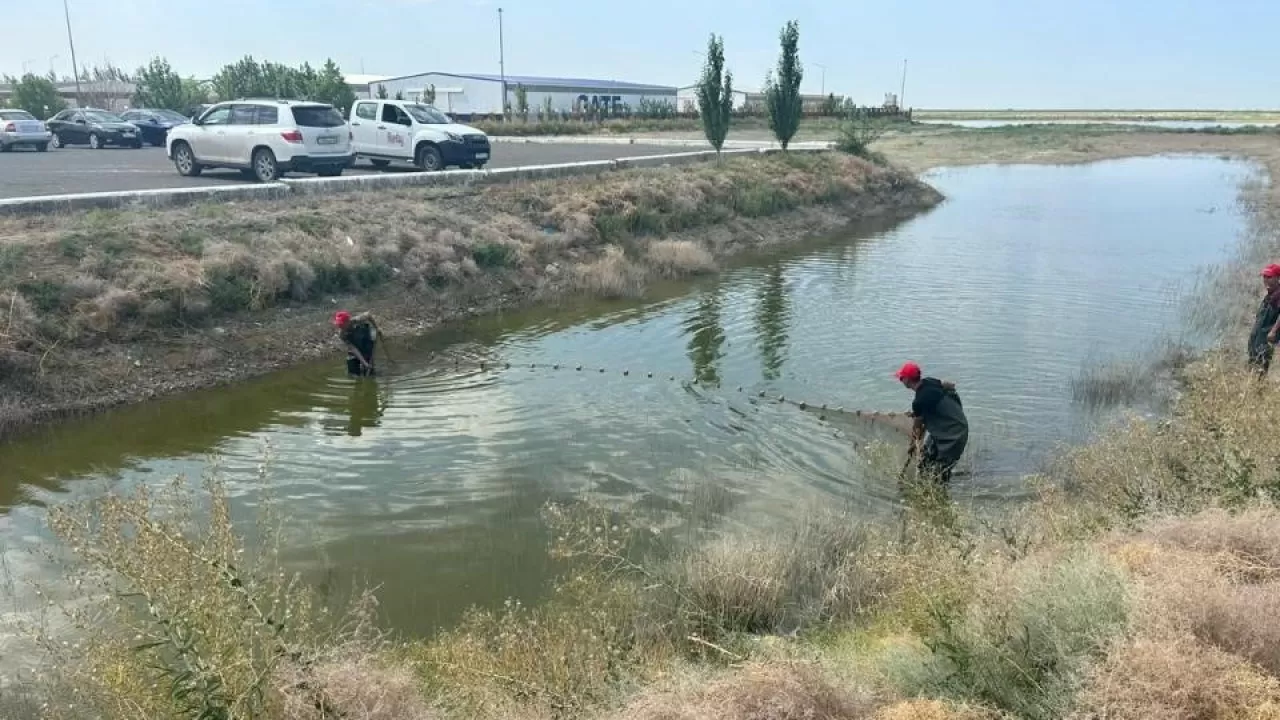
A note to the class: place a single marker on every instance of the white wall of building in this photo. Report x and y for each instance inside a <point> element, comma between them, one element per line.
<point>465,96</point>
<point>687,99</point>
<point>454,94</point>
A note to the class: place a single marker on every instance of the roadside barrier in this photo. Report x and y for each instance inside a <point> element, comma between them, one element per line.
<point>170,197</point>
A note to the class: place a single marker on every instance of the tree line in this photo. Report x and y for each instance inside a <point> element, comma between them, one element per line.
<point>159,86</point>
<point>783,103</point>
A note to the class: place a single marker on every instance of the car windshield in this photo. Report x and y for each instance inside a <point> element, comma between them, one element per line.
<point>170,115</point>
<point>100,116</point>
<point>427,115</point>
<point>16,115</point>
<point>317,116</point>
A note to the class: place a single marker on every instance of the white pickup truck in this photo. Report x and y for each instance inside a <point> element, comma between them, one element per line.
<point>386,131</point>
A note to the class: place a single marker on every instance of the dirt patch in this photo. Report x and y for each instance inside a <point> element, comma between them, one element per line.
<point>106,308</point>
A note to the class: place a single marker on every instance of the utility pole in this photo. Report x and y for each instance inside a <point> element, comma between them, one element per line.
<point>902,95</point>
<point>75,68</point>
<point>824,78</point>
<point>502,64</point>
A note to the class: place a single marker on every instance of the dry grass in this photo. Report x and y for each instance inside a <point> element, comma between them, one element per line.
<point>173,618</point>
<point>934,710</point>
<point>1176,679</point>
<point>678,258</point>
<point>755,692</point>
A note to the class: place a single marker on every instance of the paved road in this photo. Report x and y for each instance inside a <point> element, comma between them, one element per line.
<point>76,170</point>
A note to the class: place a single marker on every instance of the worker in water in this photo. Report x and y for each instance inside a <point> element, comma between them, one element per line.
<point>359,334</point>
<point>1266,327</point>
<point>938,411</point>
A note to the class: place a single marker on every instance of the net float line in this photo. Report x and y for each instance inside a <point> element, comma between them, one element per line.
<point>899,421</point>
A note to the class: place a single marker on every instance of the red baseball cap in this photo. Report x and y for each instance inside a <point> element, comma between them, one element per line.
<point>909,371</point>
<point>341,317</point>
<point>1270,271</point>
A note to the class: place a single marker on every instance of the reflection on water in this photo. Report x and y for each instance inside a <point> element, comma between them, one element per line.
<point>428,480</point>
<point>772,316</point>
<point>706,338</point>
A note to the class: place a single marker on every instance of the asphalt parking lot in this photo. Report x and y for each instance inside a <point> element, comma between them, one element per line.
<point>25,173</point>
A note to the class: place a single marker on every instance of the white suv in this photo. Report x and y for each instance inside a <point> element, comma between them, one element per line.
<point>263,139</point>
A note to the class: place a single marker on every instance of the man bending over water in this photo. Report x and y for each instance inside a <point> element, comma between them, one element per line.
<point>359,334</point>
<point>938,411</point>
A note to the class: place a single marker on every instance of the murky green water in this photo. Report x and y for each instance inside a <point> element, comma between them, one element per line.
<point>428,481</point>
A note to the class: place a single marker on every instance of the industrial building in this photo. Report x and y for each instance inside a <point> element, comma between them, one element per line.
<point>687,99</point>
<point>481,94</point>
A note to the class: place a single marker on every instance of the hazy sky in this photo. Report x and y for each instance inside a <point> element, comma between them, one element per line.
<point>962,54</point>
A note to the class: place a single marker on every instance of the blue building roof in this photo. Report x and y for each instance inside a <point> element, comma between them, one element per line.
<point>534,81</point>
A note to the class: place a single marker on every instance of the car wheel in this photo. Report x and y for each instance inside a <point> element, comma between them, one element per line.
<point>479,166</point>
<point>330,172</point>
<point>94,141</point>
<point>380,163</point>
<point>429,158</point>
<point>42,147</point>
<point>185,160</point>
<point>137,144</point>
<point>56,141</point>
<point>265,167</point>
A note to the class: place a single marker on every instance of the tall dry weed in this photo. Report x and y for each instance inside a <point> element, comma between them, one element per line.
<point>172,616</point>
<point>792,691</point>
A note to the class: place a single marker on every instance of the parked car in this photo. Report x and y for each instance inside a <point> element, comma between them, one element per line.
<point>19,127</point>
<point>154,125</point>
<point>264,139</point>
<point>95,128</point>
<point>395,130</point>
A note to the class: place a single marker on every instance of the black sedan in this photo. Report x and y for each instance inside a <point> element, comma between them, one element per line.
<point>154,125</point>
<point>95,128</point>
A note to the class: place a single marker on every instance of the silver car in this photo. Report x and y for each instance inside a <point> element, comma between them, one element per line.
<point>19,127</point>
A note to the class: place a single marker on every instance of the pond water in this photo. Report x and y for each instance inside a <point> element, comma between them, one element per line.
<point>1166,124</point>
<point>428,482</point>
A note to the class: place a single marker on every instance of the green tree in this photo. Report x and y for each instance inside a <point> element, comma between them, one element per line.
<point>715,94</point>
<point>782,89</point>
<point>382,92</point>
<point>399,94</point>
<point>249,78</point>
<point>158,86</point>
<point>522,101</point>
<point>429,95</point>
<point>330,86</point>
<point>37,95</point>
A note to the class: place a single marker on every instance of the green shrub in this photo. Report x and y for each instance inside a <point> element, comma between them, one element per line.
<point>1022,645</point>
<point>493,255</point>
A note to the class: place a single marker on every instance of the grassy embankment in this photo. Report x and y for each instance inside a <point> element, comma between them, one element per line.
<point>116,306</point>
<point>1142,583</point>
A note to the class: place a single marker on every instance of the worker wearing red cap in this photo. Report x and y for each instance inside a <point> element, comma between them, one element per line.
<point>938,411</point>
<point>1266,327</point>
<point>359,334</point>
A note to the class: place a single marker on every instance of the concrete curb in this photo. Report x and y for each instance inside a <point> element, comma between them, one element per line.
<point>355,183</point>
<point>124,199</point>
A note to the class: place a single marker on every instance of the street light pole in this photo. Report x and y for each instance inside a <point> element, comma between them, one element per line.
<point>502,64</point>
<point>824,78</point>
<point>75,68</point>
<point>902,95</point>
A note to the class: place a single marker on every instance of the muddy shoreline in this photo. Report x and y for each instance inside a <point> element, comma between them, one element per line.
<point>78,381</point>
